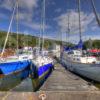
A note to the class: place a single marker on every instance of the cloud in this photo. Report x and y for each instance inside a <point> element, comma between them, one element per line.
<point>26,8</point>
<point>24,4</point>
<point>2,15</point>
<point>26,12</point>
<point>7,4</point>
<point>75,37</point>
<point>34,25</point>
<point>95,26</point>
<point>24,16</point>
<point>86,20</point>
<point>53,3</point>
<point>58,10</point>
<point>50,2</point>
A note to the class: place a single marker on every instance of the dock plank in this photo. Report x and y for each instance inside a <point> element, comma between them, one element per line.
<point>63,80</point>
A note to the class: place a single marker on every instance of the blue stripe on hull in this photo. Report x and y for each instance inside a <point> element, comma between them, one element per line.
<point>44,68</point>
<point>11,67</point>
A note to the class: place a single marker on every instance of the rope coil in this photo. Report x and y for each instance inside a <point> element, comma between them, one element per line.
<point>42,96</point>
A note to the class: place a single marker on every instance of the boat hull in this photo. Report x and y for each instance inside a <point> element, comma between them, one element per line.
<point>90,71</point>
<point>40,74</point>
<point>9,78</point>
<point>13,67</point>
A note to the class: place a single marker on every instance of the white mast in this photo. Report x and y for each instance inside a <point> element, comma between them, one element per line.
<point>68,28</point>
<point>17,18</point>
<point>80,32</point>
<point>12,17</point>
<point>43,24</point>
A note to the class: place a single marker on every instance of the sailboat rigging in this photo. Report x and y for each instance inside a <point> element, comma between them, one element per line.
<point>42,64</point>
<point>95,12</point>
<point>8,30</point>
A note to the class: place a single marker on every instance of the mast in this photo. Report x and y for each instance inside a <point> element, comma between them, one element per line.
<point>12,17</point>
<point>95,12</point>
<point>17,23</point>
<point>80,31</point>
<point>68,28</point>
<point>43,24</point>
<point>40,36</point>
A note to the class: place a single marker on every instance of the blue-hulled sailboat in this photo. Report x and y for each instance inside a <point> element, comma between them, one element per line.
<point>42,64</point>
<point>13,67</point>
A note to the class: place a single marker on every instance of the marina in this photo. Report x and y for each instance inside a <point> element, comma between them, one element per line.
<point>49,50</point>
<point>61,82</point>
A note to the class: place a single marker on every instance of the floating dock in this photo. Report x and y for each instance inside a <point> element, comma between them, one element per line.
<point>61,85</point>
<point>63,80</point>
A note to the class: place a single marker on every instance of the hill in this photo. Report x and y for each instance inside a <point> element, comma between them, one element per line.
<point>23,40</point>
<point>29,40</point>
<point>92,44</point>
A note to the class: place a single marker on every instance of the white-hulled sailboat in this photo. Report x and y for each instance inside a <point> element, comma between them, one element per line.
<point>76,61</point>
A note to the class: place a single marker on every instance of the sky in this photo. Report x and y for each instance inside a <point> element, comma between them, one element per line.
<point>56,18</point>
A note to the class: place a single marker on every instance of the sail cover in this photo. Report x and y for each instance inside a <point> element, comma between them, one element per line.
<point>79,45</point>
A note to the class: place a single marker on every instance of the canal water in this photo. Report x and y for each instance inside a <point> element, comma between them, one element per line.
<point>11,82</point>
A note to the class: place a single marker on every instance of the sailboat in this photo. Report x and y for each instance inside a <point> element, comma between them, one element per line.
<point>77,62</point>
<point>16,66</point>
<point>41,64</point>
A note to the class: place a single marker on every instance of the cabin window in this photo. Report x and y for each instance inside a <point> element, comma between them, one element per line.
<point>78,59</point>
<point>71,52</point>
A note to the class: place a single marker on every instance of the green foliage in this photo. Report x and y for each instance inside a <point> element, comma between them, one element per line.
<point>92,44</point>
<point>23,40</point>
<point>28,40</point>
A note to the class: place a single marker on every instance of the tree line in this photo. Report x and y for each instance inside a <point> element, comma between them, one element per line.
<point>29,40</point>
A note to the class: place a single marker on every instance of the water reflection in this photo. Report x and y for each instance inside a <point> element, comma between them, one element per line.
<point>10,81</point>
